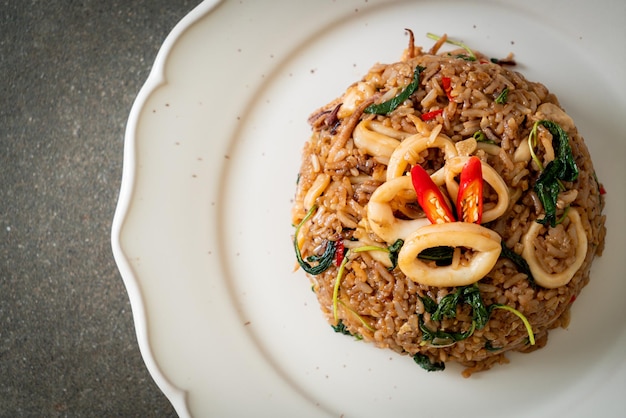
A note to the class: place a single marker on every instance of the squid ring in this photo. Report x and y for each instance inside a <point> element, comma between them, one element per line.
<point>380,215</point>
<point>408,151</point>
<point>491,176</point>
<point>553,280</point>
<point>484,242</point>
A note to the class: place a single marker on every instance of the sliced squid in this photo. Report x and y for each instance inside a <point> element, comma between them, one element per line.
<point>319,185</point>
<point>553,280</point>
<point>454,166</point>
<point>408,151</point>
<point>380,215</point>
<point>377,144</point>
<point>484,243</point>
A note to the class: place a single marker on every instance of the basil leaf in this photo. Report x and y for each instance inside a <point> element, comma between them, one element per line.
<point>562,168</point>
<point>424,362</point>
<point>564,151</point>
<point>341,328</point>
<point>447,305</point>
<point>324,261</point>
<point>441,255</point>
<point>391,104</point>
<point>430,305</point>
<point>394,250</point>
<point>439,335</point>
<point>547,188</point>
<point>447,308</point>
<point>480,314</point>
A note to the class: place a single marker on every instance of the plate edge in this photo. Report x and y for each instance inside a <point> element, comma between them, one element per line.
<point>156,78</point>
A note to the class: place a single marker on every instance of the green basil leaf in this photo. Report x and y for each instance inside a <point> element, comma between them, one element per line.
<point>441,255</point>
<point>480,314</point>
<point>323,261</point>
<point>562,168</point>
<point>424,362</point>
<point>447,305</point>
<point>390,105</point>
<point>394,250</point>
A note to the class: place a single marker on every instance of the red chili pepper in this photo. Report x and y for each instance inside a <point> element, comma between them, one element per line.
<point>429,197</point>
<point>339,252</point>
<point>602,190</point>
<point>446,82</point>
<point>431,115</point>
<point>469,202</point>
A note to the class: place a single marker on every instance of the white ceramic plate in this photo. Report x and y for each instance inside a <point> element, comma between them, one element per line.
<point>202,232</point>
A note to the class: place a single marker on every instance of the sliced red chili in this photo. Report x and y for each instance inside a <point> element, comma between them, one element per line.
<point>431,115</point>
<point>469,202</point>
<point>339,252</point>
<point>446,82</point>
<point>429,197</point>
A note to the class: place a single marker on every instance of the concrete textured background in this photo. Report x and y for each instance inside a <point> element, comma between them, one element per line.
<point>70,71</point>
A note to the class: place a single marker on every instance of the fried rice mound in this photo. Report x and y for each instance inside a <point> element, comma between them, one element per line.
<point>451,290</point>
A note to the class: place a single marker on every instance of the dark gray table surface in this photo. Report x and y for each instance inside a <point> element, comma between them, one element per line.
<point>70,71</point>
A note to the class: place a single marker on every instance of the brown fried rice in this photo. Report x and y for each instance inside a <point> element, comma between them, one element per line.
<point>459,102</point>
